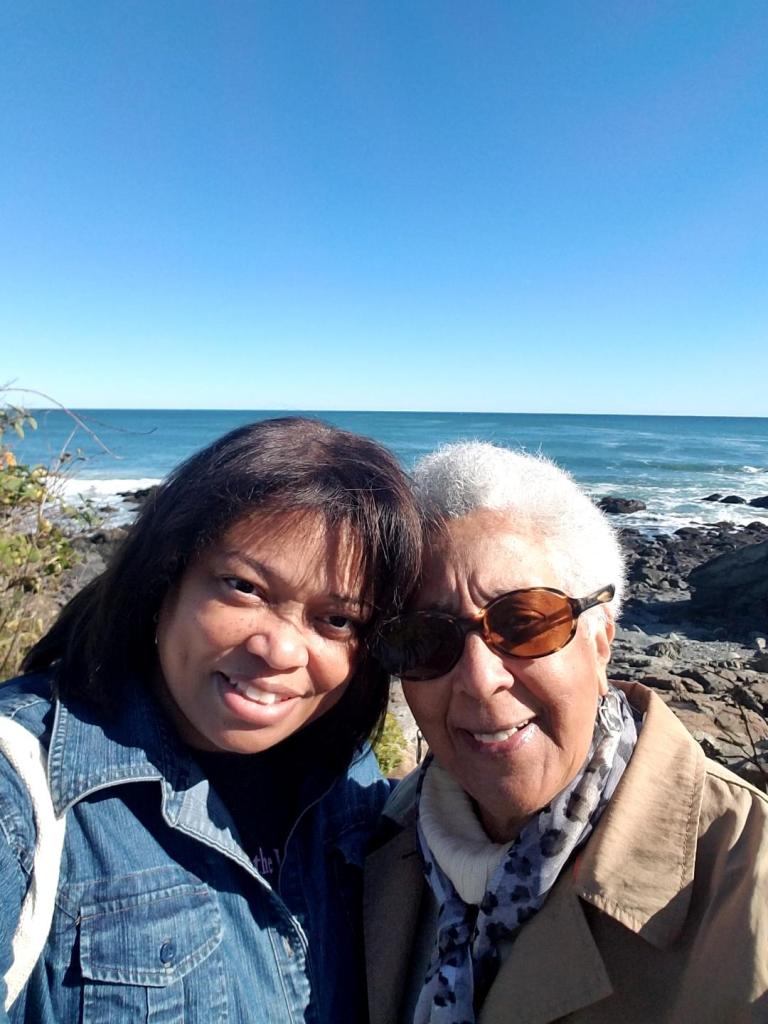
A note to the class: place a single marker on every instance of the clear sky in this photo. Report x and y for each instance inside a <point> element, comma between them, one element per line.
<point>491,205</point>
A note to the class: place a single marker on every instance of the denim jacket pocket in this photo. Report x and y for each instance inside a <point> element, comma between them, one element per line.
<point>147,957</point>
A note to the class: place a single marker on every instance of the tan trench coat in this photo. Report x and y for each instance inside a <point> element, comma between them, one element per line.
<point>663,917</point>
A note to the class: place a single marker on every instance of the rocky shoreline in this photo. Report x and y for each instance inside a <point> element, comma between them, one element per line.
<point>694,628</point>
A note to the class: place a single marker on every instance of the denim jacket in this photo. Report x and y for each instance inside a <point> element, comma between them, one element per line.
<point>160,915</point>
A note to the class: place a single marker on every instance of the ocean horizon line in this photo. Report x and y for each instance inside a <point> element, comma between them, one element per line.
<point>393,412</point>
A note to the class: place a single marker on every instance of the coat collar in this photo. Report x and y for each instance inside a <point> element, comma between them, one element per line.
<point>637,868</point>
<point>545,980</point>
<point>640,869</point>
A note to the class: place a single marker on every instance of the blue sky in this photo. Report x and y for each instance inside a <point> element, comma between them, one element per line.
<point>400,204</point>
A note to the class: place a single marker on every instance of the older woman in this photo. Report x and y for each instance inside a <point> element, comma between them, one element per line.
<point>205,705</point>
<point>566,850</point>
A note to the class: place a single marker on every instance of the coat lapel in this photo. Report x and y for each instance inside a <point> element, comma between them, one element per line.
<point>553,969</point>
<point>391,902</point>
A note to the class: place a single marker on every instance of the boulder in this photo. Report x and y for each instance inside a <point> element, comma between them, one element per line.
<point>664,649</point>
<point>760,502</point>
<point>712,682</point>
<point>733,499</point>
<point>759,662</point>
<point>713,497</point>
<point>620,506</point>
<point>734,585</point>
<point>139,496</point>
<point>110,537</point>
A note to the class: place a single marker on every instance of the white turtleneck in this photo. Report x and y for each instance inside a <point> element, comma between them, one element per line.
<point>455,836</point>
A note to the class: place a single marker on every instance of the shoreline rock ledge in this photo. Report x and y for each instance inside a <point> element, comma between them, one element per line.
<point>695,629</point>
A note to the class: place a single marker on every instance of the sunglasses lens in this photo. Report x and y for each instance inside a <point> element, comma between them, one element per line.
<point>530,623</point>
<point>419,646</point>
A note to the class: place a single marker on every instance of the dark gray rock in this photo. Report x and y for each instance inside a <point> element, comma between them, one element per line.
<point>661,680</point>
<point>139,496</point>
<point>110,537</point>
<point>747,698</point>
<point>760,502</point>
<point>751,677</point>
<point>734,585</point>
<point>759,663</point>
<point>664,649</point>
<point>620,506</point>
<point>713,497</point>
<point>712,682</point>
<point>733,499</point>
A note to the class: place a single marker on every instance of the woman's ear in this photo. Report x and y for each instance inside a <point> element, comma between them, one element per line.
<point>605,630</point>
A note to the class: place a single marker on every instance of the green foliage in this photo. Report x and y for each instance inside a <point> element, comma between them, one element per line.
<point>34,551</point>
<point>390,746</point>
<point>13,417</point>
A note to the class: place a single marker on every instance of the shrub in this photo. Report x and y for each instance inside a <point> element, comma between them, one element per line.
<point>390,746</point>
<point>34,549</point>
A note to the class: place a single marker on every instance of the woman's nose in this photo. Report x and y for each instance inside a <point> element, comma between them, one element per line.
<point>481,672</point>
<point>280,643</point>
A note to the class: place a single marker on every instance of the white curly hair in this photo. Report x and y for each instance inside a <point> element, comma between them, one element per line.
<point>538,497</point>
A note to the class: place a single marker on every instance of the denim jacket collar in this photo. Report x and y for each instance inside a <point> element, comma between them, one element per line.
<point>138,745</point>
<point>86,755</point>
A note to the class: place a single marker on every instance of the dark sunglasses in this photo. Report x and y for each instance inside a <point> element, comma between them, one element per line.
<point>530,623</point>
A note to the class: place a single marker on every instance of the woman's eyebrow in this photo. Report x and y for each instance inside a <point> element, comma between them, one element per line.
<point>252,563</point>
<point>273,576</point>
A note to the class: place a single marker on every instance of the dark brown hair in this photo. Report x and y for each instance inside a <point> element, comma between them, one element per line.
<point>103,641</point>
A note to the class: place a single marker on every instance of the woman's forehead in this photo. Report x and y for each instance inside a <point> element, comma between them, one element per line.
<point>295,524</point>
<point>302,534</point>
<point>491,547</point>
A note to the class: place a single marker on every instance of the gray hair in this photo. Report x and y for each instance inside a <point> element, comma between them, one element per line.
<point>539,499</point>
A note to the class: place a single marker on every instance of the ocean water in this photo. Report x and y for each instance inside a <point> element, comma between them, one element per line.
<point>668,462</point>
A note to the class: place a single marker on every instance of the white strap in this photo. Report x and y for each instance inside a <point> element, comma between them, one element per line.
<point>29,759</point>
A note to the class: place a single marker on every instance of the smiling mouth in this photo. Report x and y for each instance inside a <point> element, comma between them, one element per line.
<point>500,735</point>
<point>255,694</point>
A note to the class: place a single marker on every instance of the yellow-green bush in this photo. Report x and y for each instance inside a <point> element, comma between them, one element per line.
<point>34,552</point>
<point>390,746</point>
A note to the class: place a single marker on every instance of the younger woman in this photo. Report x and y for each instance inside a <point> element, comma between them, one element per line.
<point>205,705</point>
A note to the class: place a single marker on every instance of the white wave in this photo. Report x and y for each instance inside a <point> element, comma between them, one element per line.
<point>753,469</point>
<point>81,487</point>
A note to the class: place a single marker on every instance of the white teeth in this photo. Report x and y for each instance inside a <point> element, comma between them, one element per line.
<point>256,695</point>
<point>500,736</point>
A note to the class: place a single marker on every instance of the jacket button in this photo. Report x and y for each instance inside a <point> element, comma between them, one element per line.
<point>167,952</point>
